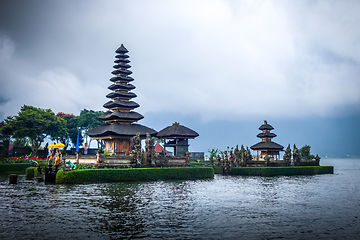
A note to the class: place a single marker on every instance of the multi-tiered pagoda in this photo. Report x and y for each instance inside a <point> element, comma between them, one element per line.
<point>266,146</point>
<point>119,125</point>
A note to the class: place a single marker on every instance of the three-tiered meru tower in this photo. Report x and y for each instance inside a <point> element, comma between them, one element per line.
<point>119,125</point>
<point>266,146</point>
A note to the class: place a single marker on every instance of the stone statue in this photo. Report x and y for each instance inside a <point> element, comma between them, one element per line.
<point>135,152</point>
<point>296,156</point>
<point>50,157</point>
<point>242,156</point>
<point>317,159</point>
<point>237,156</point>
<point>287,156</point>
<point>149,150</point>
<point>188,154</point>
<point>57,157</point>
<point>248,155</point>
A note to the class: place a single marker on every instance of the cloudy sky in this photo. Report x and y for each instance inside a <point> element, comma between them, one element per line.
<point>219,67</point>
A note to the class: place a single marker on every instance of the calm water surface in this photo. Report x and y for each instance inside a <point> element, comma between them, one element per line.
<point>226,207</point>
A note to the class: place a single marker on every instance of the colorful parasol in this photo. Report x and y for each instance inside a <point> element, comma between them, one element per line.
<point>51,146</point>
<point>59,145</point>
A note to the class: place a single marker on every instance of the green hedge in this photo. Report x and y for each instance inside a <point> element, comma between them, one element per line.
<point>133,174</point>
<point>287,171</point>
<point>14,167</point>
<point>30,172</point>
<point>219,170</point>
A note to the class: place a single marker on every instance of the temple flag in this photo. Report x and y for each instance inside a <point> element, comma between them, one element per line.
<point>77,142</point>
<point>86,148</point>
<point>11,147</point>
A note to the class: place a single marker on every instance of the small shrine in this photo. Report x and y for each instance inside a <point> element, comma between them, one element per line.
<point>120,120</point>
<point>177,136</point>
<point>266,146</point>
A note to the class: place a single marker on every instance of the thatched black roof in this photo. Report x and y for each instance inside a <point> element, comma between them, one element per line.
<point>120,65</point>
<point>177,131</point>
<point>121,71</point>
<point>267,145</point>
<point>120,94</point>
<point>124,116</point>
<point>121,130</point>
<point>121,49</point>
<point>121,86</point>
<point>266,135</point>
<point>121,104</point>
<point>120,56</point>
<point>122,60</point>
<point>266,126</point>
<point>122,78</point>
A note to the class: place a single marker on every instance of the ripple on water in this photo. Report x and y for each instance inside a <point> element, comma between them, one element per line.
<point>226,207</point>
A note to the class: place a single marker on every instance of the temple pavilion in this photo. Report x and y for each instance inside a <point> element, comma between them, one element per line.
<point>177,136</point>
<point>120,119</point>
<point>266,146</point>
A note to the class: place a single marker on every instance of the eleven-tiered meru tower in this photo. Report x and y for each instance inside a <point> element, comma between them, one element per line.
<point>119,125</point>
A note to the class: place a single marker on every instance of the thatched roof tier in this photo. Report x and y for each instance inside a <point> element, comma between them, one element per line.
<point>266,135</point>
<point>121,49</point>
<point>121,78</point>
<point>267,146</point>
<point>177,131</point>
<point>122,60</point>
<point>121,86</point>
<point>122,56</point>
<point>119,94</point>
<point>266,126</point>
<point>123,116</point>
<point>120,65</point>
<point>120,130</point>
<point>121,104</point>
<point>121,71</point>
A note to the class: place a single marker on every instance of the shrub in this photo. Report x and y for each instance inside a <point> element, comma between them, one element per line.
<point>60,177</point>
<point>14,167</point>
<point>133,174</point>
<point>275,171</point>
<point>30,172</point>
<point>219,170</point>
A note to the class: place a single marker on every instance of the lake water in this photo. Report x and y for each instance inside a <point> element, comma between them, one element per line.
<point>226,207</point>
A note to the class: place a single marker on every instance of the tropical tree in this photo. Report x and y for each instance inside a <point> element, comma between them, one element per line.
<point>34,124</point>
<point>89,119</point>
<point>305,153</point>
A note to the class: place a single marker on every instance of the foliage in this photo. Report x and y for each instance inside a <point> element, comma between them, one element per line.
<point>305,153</point>
<point>9,167</point>
<point>61,177</point>
<point>218,170</point>
<point>69,135</point>
<point>133,174</point>
<point>30,172</point>
<point>282,171</point>
<point>213,152</point>
<point>87,166</point>
<point>89,119</point>
<point>34,124</point>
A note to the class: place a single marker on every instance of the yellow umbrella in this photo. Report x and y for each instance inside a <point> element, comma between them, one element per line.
<point>59,145</point>
<point>51,146</point>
